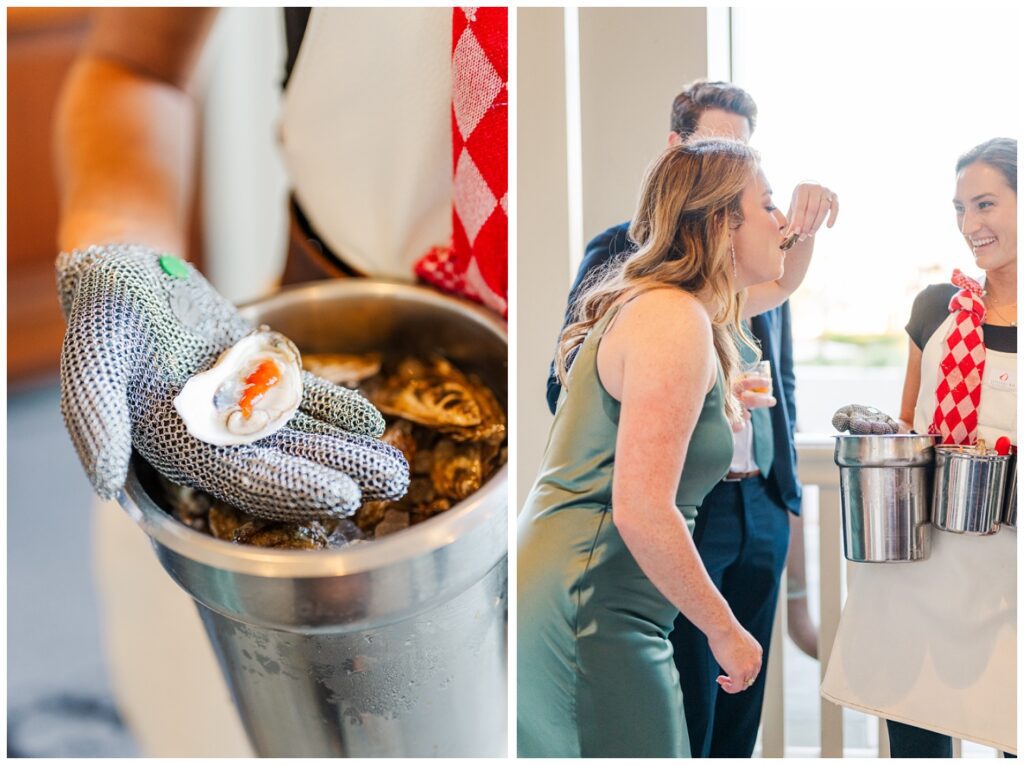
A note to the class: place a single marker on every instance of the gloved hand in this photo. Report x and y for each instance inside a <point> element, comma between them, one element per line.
<point>139,325</point>
<point>863,420</point>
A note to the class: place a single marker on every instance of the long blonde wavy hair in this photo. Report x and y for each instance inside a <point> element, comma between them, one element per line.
<point>689,200</point>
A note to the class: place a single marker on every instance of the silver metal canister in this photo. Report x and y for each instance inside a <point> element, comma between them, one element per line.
<point>885,487</point>
<point>395,647</point>
<point>1010,513</point>
<point>970,490</point>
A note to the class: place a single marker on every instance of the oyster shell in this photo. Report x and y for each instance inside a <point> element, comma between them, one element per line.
<point>371,513</point>
<point>394,520</point>
<point>346,369</point>
<point>435,394</point>
<point>491,429</point>
<point>285,536</point>
<point>458,469</point>
<point>225,520</point>
<point>432,393</point>
<point>188,505</point>
<point>251,391</point>
<point>400,435</point>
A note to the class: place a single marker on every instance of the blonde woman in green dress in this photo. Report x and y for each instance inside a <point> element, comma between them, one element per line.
<point>641,434</point>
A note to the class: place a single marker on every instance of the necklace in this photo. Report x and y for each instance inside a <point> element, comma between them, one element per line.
<point>998,309</point>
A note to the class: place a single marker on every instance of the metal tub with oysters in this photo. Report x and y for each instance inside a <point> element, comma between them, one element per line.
<point>383,634</point>
<point>896,487</point>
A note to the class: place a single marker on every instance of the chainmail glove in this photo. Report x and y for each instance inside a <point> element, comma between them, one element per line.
<point>141,323</point>
<point>863,420</point>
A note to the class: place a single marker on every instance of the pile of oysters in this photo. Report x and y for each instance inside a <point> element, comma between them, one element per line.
<point>448,424</point>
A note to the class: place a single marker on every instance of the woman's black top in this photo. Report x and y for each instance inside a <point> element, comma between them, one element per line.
<point>931,308</point>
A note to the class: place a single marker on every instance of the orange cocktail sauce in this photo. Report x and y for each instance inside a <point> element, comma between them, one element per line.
<point>266,375</point>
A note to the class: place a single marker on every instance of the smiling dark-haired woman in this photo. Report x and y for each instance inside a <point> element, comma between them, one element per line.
<point>931,646</point>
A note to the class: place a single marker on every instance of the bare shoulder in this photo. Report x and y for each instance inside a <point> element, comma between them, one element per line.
<point>662,342</point>
<point>661,351</point>
<point>666,317</point>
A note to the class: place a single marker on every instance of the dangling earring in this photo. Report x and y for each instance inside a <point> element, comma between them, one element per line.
<point>732,249</point>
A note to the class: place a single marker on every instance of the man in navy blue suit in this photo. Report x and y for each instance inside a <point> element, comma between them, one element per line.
<point>742,529</point>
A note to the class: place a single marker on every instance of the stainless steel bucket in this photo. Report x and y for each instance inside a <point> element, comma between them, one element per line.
<point>1010,513</point>
<point>970,490</point>
<point>391,648</point>
<point>885,486</point>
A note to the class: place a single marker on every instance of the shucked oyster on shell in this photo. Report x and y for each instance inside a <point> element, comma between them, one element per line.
<point>251,391</point>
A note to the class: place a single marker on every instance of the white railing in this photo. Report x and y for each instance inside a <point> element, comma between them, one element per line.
<point>816,468</point>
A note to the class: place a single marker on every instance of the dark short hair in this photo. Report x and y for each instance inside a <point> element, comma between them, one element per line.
<point>702,95</point>
<point>1000,153</point>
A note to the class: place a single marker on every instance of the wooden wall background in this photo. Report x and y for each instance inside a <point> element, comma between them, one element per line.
<point>41,45</point>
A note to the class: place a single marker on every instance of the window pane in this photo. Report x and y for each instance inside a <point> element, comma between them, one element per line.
<point>876,104</point>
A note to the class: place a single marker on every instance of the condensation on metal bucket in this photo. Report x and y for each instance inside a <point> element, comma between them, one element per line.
<point>885,487</point>
<point>970,490</point>
<point>395,647</point>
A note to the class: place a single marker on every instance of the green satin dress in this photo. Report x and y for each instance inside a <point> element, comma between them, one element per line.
<point>595,670</point>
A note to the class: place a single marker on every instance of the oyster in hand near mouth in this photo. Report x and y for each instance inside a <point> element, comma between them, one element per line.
<point>252,390</point>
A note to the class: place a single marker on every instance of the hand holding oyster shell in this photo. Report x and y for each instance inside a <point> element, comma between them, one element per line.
<point>140,325</point>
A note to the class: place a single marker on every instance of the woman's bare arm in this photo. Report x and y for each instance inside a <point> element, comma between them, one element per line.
<point>660,364</point>
<point>124,137</point>
<point>666,364</point>
<point>911,386</point>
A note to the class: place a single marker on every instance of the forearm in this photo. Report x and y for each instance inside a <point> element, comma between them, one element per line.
<point>911,385</point>
<point>667,369</point>
<point>663,548</point>
<point>125,146</point>
<point>798,260</point>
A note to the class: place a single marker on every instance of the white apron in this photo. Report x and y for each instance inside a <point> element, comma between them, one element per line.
<point>366,135</point>
<point>934,643</point>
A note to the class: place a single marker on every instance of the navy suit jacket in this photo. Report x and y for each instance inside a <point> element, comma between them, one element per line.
<point>772,329</point>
